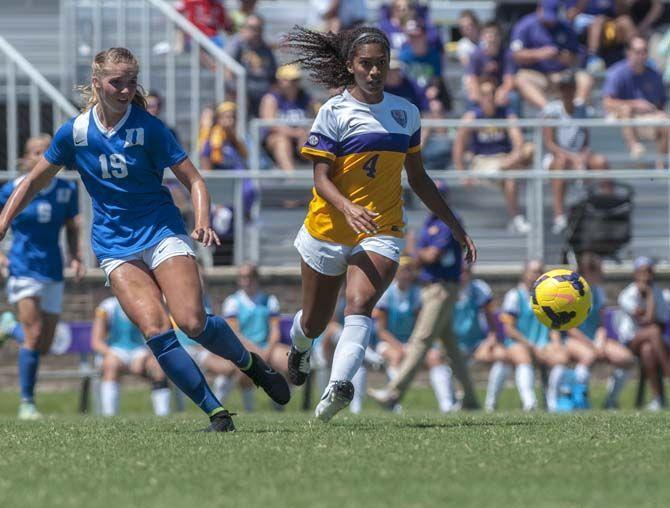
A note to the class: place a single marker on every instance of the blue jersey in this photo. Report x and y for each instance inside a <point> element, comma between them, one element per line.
<point>253,313</point>
<point>121,331</point>
<point>469,322</point>
<point>592,321</point>
<point>122,170</point>
<point>517,304</point>
<point>35,250</point>
<point>401,309</point>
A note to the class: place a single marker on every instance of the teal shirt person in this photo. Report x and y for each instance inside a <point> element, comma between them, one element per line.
<point>401,308</point>
<point>517,304</point>
<point>253,314</point>
<point>121,332</point>
<point>469,322</point>
<point>593,320</point>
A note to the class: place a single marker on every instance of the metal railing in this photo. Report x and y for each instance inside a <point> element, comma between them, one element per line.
<point>149,28</point>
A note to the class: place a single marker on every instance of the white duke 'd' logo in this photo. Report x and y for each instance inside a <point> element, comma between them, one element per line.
<point>134,137</point>
<point>400,116</point>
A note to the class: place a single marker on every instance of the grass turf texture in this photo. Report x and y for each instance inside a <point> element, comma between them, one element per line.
<point>288,459</point>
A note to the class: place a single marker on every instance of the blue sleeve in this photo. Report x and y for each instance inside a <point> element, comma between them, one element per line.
<point>73,205</point>
<point>164,149</point>
<point>610,87</point>
<point>5,192</point>
<point>61,149</point>
<point>519,38</point>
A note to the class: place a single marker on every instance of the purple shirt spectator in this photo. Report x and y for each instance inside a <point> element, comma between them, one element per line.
<point>436,233</point>
<point>531,33</point>
<point>483,66</point>
<point>622,83</point>
<point>490,140</point>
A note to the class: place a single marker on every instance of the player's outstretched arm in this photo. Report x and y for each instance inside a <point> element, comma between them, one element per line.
<point>191,179</point>
<point>425,188</point>
<point>36,180</point>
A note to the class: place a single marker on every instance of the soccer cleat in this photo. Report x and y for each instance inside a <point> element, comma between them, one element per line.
<point>271,381</point>
<point>7,325</point>
<point>298,366</point>
<point>337,397</point>
<point>221,422</point>
<point>28,411</point>
<point>384,398</point>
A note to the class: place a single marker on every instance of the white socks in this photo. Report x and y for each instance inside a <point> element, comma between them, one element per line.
<point>359,381</point>
<point>301,342</point>
<point>497,376</point>
<point>249,399</point>
<point>615,384</point>
<point>555,377</point>
<point>223,385</point>
<point>350,349</point>
<point>525,383</point>
<point>109,398</point>
<point>441,381</point>
<point>582,374</point>
<point>160,399</point>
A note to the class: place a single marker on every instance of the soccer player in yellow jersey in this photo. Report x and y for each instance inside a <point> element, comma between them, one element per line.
<point>359,143</point>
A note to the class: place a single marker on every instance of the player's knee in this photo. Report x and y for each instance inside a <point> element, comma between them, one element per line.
<point>192,325</point>
<point>358,305</point>
<point>110,367</point>
<point>647,352</point>
<point>599,162</point>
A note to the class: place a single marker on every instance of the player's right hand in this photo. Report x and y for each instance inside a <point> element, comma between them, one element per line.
<point>360,219</point>
<point>206,236</point>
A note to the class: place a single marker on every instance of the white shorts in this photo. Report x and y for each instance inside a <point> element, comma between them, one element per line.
<point>130,356</point>
<point>332,259</point>
<point>178,245</point>
<point>50,294</point>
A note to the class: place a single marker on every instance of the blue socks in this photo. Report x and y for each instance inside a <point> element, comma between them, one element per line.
<point>182,370</point>
<point>29,361</point>
<point>220,339</point>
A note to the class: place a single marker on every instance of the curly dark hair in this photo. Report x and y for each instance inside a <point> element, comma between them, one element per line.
<point>325,55</point>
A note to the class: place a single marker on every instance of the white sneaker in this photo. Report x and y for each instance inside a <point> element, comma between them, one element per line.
<point>655,405</point>
<point>7,324</point>
<point>560,223</point>
<point>336,397</point>
<point>520,225</point>
<point>28,411</point>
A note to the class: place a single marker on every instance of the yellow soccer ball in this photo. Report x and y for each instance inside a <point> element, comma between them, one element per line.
<point>561,299</point>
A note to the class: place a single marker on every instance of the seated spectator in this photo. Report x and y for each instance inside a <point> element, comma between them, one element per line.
<point>254,316</point>
<point>289,102</point>
<point>469,27</point>
<point>421,54</point>
<point>524,337</point>
<point>633,89</point>
<point>250,49</point>
<point>589,343</point>
<point>207,15</point>
<point>392,21</point>
<point>494,149</point>
<point>398,83</point>
<point>543,46</point>
<point>598,18</point>
<point>436,141</point>
<point>568,146</point>
<point>640,326</point>
<point>239,16</point>
<point>221,148</point>
<point>395,316</point>
<point>122,349</point>
<point>491,62</point>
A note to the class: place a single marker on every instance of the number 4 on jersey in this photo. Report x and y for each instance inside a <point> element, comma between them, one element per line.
<point>370,166</point>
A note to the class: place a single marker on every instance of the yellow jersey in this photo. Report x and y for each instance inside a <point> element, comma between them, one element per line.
<point>367,144</point>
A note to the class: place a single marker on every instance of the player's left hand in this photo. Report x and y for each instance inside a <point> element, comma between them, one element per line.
<point>78,268</point>
<point>206,236</point>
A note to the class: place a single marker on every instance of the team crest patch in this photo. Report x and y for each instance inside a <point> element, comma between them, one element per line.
<point>313,140</point>
<point>400,116</point>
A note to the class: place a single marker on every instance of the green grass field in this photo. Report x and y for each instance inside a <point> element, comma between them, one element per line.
<point>418,459</point>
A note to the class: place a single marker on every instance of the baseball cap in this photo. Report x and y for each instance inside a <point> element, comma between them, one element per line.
<point>550,10</point>
<point>226,106</point>
<point>288,72</point>
<point>643,262</point>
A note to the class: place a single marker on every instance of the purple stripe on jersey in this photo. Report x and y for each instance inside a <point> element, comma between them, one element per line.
<point>375,142</point>
<point>415,139</point>
<point>318,141</point>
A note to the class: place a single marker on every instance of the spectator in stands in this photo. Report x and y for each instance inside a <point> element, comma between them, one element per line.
<point>640,326</point>
<point>122,350</point>
<point>239,16</point>
<point>222,149</point>
<point>209,16</point>
<point>644,13</point>
<point>392,20</point>
<point>469,27</point>
<point>490,61</point>
<point>254,315</point>
<point>398,83</point>
<point>288,102</point>
<point>155,107</point>
<point>524,336</point>
<point>633,89</point>
<point>421,54</point>
<point>590,342</point>
<point>395,316</point>
<point>543,46</point>
<point>436,141</point>
<point>598,18</point>
<point>250,49</point>
<point>494,149</point>
<point>568,147</point>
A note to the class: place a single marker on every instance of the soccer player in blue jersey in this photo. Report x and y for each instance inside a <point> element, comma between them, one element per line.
<point>138,236</point>
<point>35,265</point>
